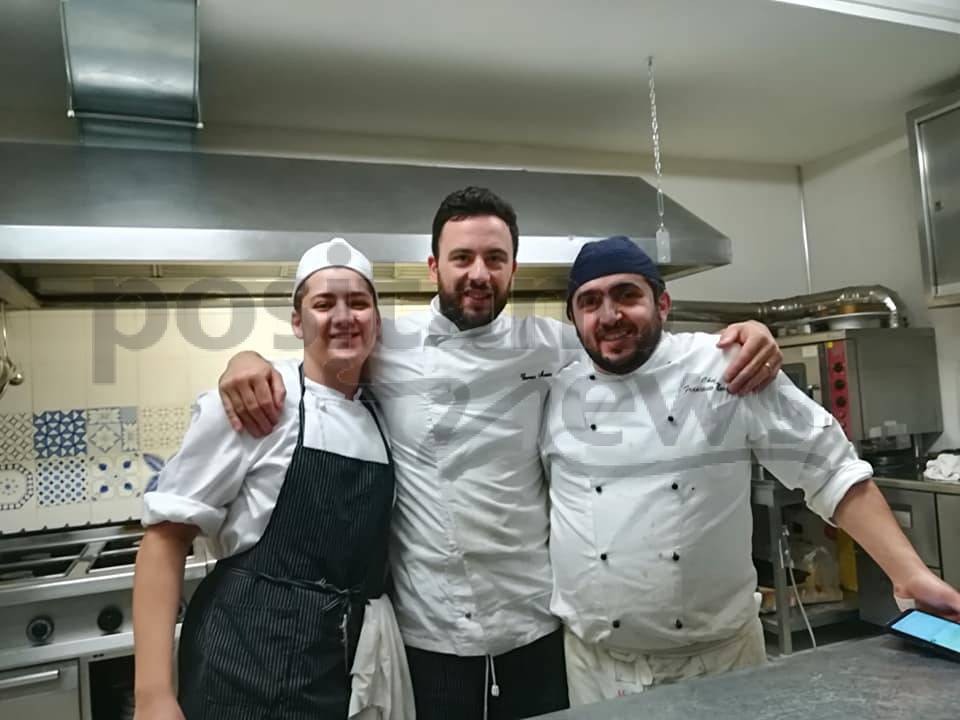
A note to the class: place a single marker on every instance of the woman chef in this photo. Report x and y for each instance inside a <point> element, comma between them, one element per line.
<point>299,520</point>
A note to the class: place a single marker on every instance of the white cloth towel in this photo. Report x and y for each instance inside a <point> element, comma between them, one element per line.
<point>944,468</point>
<point>381,687</point>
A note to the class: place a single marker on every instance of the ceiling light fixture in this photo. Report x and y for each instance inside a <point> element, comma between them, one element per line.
<point>943,15</point>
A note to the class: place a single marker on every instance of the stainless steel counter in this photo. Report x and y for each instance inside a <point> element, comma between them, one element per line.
<point>918,484</point>
<point>881,678</point>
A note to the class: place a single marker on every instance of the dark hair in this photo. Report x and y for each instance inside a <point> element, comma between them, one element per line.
<point>471,202</point>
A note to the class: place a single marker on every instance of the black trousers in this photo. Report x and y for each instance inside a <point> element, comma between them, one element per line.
<point>532,681</point>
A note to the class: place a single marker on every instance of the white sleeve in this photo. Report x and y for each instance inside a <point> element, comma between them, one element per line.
<point>803,446</point>
<point>197,484</point>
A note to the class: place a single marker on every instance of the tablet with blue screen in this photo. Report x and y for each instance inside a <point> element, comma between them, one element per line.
<point>931,631</point>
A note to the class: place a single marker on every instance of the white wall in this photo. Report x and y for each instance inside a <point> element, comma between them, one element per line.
<point>862,227</point>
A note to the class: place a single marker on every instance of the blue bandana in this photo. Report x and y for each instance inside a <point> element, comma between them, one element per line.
<point>612,256</point>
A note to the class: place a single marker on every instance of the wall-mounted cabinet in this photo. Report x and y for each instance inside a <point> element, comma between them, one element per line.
<point>934,133</point>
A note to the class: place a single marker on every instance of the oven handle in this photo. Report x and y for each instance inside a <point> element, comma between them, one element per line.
<point>36,678</point>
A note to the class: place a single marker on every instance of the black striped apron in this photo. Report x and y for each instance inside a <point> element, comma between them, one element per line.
<point>271,632</point>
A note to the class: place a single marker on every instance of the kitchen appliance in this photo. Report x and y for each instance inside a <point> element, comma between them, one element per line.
<point>881,384</point>
<point>66,635</point>
<point>164,225</point>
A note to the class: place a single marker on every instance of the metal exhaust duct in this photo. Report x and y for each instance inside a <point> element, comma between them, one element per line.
<point>132,70</point>
<point>799,308</point>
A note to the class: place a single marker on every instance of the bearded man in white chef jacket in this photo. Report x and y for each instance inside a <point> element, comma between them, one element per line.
<point>462,386</point>
<point>648,457</point>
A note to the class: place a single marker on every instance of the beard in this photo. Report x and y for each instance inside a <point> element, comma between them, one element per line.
<point>647,342</point>
<point>452,305</point>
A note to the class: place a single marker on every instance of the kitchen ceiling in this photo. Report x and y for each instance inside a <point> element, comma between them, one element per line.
<point>739,79</point>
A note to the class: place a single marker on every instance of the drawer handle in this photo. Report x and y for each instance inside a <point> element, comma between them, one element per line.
<point>903,515</point>
<point>36,678</point>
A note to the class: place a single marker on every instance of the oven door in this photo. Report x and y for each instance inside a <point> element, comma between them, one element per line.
<point>41,691</point>
<point>802,365</point>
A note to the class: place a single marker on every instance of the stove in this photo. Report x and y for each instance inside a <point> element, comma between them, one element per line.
<point>69,594</point>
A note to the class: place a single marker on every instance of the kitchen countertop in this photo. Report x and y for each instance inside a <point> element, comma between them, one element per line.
<point>918,484</point>
<point>882,678</point>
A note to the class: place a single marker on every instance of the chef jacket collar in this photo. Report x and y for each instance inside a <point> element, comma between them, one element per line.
<point>441,326</point>
<point>325,392</point>
<point>661,356</point>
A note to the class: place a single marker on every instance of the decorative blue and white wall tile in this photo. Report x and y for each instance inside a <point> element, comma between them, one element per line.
<point>17,486</point>
<point>16,437</point>
<point>163,427</point>
<point>114,488</point>
<point>152,465</point>
<point>111,430</point>
<point>18,496</point>
<point>60,433</point>
<point>114,477</point>
<point>62,480</point>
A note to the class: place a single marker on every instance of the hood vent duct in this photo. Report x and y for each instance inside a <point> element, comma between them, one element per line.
<point>70,215</point>
<point>132,70</point>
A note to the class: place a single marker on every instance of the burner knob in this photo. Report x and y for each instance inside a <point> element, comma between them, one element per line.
<point>40,630</point>
<point>110,619</point>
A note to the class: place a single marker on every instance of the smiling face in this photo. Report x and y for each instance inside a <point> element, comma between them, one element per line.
<point>619,320</point>
<point>337,319</point>
<point>473,269</point>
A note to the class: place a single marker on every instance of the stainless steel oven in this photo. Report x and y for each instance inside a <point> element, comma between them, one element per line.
<point>66,633</point>
<point>881,384</point>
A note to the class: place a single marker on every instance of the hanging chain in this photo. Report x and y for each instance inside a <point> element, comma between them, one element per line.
<point>655,130</point>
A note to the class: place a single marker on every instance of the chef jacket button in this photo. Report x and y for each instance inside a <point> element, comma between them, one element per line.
<point>676,558</point>
<point>593,427</point>
<point>674,487</point>
<point>678,624</point>
<point>599,489</point>
<point>603,556</point>
<point>468,615</point>
<point>593,377</point>
<point>669,418</point>
<point>616,624</point>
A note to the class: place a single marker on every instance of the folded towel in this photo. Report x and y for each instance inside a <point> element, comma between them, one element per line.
<point>944,468</point>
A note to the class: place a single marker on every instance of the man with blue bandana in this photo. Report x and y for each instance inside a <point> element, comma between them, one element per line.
<point>648,457</point>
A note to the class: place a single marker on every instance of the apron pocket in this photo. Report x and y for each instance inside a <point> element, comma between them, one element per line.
<point>248,653</point>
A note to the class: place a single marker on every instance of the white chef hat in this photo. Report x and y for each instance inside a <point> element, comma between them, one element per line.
<point>336,253</point>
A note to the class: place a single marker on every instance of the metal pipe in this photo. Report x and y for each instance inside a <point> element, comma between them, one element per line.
<point>857,298</point>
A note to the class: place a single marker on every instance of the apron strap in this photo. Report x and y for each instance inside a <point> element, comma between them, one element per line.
<point>300,409</point>
<point>386,445</point>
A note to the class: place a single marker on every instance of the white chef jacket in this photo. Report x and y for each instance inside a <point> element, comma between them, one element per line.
<point>470,526</point>
<point>227,483</point>
<point>649,478</point>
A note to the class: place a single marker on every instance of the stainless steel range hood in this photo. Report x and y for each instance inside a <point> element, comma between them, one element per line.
<point>76,221</point>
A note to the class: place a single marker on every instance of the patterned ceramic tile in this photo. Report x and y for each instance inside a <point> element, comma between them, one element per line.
<point>17,486</point>
<point>114,477</point>
<point>111,430</point>
<point>16,437</point>
<point>103,416</point>
<point>60,433</point>
<point>63,480</point>
<point>154,464</point>
<point>163,427</point>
